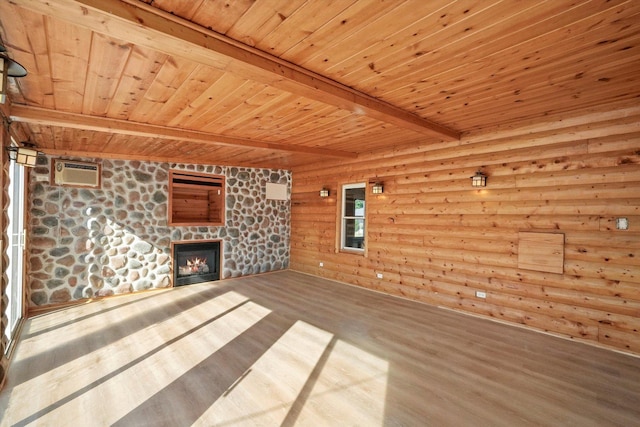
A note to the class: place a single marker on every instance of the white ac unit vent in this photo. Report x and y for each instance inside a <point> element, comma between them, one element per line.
<point>72,173</point>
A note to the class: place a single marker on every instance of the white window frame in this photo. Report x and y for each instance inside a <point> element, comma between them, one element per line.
<point>344,218</point>
<point>14,291</point>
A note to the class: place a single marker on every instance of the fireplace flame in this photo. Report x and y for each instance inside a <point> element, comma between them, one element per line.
<point>196,262</point>
<point>194,266</point>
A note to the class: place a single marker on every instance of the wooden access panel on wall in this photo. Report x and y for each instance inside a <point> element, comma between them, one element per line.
<point>541,252</point>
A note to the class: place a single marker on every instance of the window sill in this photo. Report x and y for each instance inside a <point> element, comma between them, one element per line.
<point>352,251</point>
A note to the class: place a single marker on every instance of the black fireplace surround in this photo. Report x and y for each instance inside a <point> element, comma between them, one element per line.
<point>196,262</point>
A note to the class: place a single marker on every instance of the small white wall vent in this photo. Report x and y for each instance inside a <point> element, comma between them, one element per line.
<point>276,191</point>
<point>77,174</point>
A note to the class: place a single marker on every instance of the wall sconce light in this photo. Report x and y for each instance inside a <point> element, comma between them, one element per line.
<point>377,188</point>
<point>324,192</point>
<point>8,68</point>
<point>479,180</point>
<point>25,156</point>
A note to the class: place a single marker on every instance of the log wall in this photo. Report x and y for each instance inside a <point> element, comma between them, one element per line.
<point>436,239</point>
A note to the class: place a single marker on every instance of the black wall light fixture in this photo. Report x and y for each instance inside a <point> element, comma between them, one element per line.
<point>8,68</point>
<point>479,180</point>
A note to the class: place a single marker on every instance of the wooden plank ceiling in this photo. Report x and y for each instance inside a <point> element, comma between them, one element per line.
<point>279,83</point>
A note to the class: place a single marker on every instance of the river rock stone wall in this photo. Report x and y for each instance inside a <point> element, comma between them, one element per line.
<point>114,240</point>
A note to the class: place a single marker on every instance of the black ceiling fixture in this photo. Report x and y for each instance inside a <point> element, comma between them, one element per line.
<point>8,68</point>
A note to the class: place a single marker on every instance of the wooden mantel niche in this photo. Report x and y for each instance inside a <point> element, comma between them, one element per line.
<point>196,199</point>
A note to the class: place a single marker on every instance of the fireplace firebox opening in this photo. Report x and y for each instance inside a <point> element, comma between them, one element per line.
<point>196,262</point>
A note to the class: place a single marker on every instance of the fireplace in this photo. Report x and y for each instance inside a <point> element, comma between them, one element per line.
<point>195,262</point>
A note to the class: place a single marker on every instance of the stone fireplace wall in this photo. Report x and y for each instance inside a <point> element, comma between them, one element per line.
<point>114,240</point>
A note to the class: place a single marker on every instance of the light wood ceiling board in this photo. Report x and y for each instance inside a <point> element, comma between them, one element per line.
<point>604,85</point>
<point>263,17</point>
<point>564,90</point>
<point>185,8</point>
<point>196,84</point>
<point>137,77</point>
<point>456,22</point>
<point>251,111</point>
<point>316,118</point>
<point>169,34</point>
<point>30,49</point>
<point>557,122</point>
<point>611,66</point>
<point>568,53</point>
<point>490,28</point>
<point>174,72</point>
<point>288,117</point>
<point>537,107</point>
<point>125,127</point>
<point>270,159</point>
<point>84,140</point>
<point>42,138</point>
<point>77,139</point>
<point>333,124</point>
<point>300,24</point>
<point>291,124</point>
<point>246,106</point>
<point>132,147</point>
<point>207,118</point>
<point>106,62</point>
<point>69,47</point>
<point>266,105</point>
<point>219,15</point>
<point>178,149</point>
<point>199,109</point>
<point>478,74</point>
<point>548,44</point>
<point>344,51</point>
<point>344,131</point>
<point>348,22</point>
<point>373,140</point>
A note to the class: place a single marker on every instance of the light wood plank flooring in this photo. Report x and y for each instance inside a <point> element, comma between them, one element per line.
<point>288,349</point>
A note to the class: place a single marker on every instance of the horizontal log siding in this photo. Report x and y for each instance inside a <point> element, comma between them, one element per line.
<point>437,240</point>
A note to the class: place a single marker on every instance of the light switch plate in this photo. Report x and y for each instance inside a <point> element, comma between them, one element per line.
<point>622,223</point>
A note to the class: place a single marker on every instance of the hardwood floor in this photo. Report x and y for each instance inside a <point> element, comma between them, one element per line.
<point>288,349</point>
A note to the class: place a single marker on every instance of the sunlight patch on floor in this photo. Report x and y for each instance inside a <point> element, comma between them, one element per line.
<point>264,394</point>
<point>128,372</point>
<point>351,389</point>
<point>308,378</point>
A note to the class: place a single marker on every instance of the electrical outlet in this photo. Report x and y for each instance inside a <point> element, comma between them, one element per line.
<point>379,275</point>
<point>322,264</point>
<point>622,223</point>
<point>481,294</point>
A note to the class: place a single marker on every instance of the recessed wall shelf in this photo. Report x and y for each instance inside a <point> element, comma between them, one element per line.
<point>196,199</point>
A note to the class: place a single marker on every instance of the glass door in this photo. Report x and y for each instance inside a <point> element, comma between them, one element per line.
<point>16,233</point>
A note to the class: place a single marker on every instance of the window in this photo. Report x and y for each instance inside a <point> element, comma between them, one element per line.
<point>353,217</point>
<point>196,199</point>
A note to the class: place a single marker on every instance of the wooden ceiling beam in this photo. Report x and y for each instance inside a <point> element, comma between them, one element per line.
<point>46,117</point>
<point>137,22</point>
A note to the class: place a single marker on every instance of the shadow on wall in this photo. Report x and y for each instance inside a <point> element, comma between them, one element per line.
<point>97,242</point>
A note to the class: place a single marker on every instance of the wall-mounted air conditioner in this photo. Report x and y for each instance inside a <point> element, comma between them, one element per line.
<point>72,173</point>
